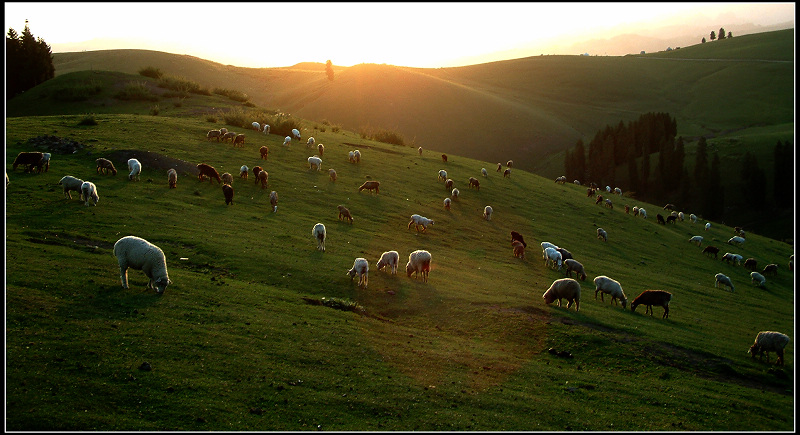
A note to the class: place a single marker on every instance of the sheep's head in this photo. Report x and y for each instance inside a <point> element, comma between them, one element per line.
<point>548,297</point>
<point>754,350</point>
<point>409,269</point>
<point>624,303</point>
<point>633,306</point>
<point>583,278</point>
<point>161,285</point>
<point>352,273</point>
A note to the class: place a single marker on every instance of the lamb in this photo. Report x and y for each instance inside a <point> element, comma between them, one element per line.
<point>564,288</point>
<point>172,178</point>
<point>296,134</point>
<point>772,269</point>
<point>357,156</point>
<point>264,150</point>
<point>724,280</point>
<point>370,185</point>
<point>758,279</point>
<point>321,149</point>
<point>693,218</point>
<point>314,162</point>
<point>227,191</point>
<point>565,255</point>
<point>484,173</point>
<point>390,259</point>
<point>474,182</point>
<point>711,250</point>
<point>708,225</point>
<point>273,200</point>
<point>650,298</point>
<point>229,135</point>
<point>256,170</point>
<point>574,266</point>
<point>332,174</point>
<point>736,239</point>
<point>769,341</point>
<point>344,213</point>
<point>227,178</point>
<point>605,284</point>
<point>137,253</point>
<point>442,175</point>
<point>551,256</point>
<point>243,172</point>
<point>601,234</point>
<point>135,169</point>
<point>448,184</point>
<point>104,166</point>
<point>263,178</point>
<point>208,171</point>
<point>239,140</point>
<point>256,126</point>
<point>360,268</point>
<point>447,203</point>
<point>487,212</point>
<point>311,142</point>
<point>454,193</point>
<point>287,140</point>
<point>213,134</point>
<point>751,264</point>
<point>418,221</point>
<point>419,150</point>
<point>266,129</point>
<point>696,239</point>
<point>351,157</point>
<point>444,158</point>
<point>319,235</point>
<point>507,173</point>
<point>29,160</point>
<point>518,249</point>
<point>89,191</point>
<point>71,183</point>
<point>419,262</point>
<point>515,236</point>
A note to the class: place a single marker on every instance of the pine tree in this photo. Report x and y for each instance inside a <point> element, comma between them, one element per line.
<point>29,62</point>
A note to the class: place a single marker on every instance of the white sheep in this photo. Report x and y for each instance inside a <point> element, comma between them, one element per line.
<point>601,233</point>
<point>89,191</point>
<point>455,192</point>
<point>256,126</point>
<point>71,183</point>
<point>287,140</point>
<point>564,288</point>
<point>419,262</point>
<point>45,162</point>
<point>332,174</point>
<point>708,225</point>
<point>681,216</point>
<point>696,239</point>
<point>296,134</point>
<point>608,189</point>
<point>360,268</point>
<point>419,150</point>
<point>731,257</point>
<point>418,221</point>
<point>137,253</point>
<point>310,142</point>
<point>390,259</point>
<point>487,212</point>
<point>172,178</point>
<point>693,218</point>
<point>266,129</point>
<point>351,157</point>
<point>319,235</point>
<point>357,156</point>
<point>314,162</point>
<point>758,279</point>
<point>243,171</point>
<point>736,239</point>
<point>618,191</point>
<point>605,284</point>
<point>135,169</point>
<point>642,213</point>
<point>273,200</point>
<point>442,175</point>
<point>546,245</point>
<point>447,203</point>
<point>724,280</point>
<point>769,341</point>
<point>484,173</point>
<point>552,257</point>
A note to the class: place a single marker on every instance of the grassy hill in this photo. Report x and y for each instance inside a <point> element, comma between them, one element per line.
<point>243,339</point>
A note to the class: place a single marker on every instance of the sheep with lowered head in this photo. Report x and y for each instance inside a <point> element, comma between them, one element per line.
<point>137,253</point>
<point>454,193</point>
<point>360,268</point>
<point>736,239</point>
<point>344,213</point>
<point>420,221</point>
<point>708,225</point>
<point>287,140</point>
<point>758,279</point>
<point>227,192</point>
<point>105,166</point>
<point>564,288</point>
<point>551,256</point>
<point>332,174</point>
<point>296,134</point>
<point>419,263</point>
<point>264,151</point>
<point>89,191</point>
<point>319,235</point>
<point>605,284</point>
<point>601,234</point>
<point>227,178</point>
<point>243,172</point>
<point>172,178</point>
<point>273,200</point>
<point>447,203</point>
<point>71,183</point>
<point>314,162</point>
<point>724,280</point>
<point>696,239</point>
<point>484,173</point>
<point>487,212</point>
<point>574,266</point>
<point>769,341</point>
<point>135,169</point>
<point>390,260</point>
<point>518,249</point>
<point>311,142</point>
<point>649,298</point>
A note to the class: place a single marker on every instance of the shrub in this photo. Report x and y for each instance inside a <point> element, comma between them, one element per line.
<point>182,84</point>
<point>77,92</point>
<point>136,91</point>
<point>381,135</point>
<point>232,94</point>
<point>335,128</point>
<point>151,72</point>
<point>154,110</point>
<point>88,120</point>
<point>211,118</point>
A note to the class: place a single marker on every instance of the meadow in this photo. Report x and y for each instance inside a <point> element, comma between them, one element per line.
<point>244,340</point>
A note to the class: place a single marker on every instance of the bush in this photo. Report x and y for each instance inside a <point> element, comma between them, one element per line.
<point>211,118</point>
<point>88,120</point>
<point>381,135</point>
<point>183,85</point>
<point>136,91</point>
<point>78,92</point>
<point>232,94</point>
<point>155,110</point>
<point>151,72</point>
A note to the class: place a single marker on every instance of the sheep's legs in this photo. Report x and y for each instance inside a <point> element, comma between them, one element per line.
<point>123,275</point>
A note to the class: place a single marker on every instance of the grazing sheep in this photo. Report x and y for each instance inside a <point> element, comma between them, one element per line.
<point>564,288</point>
<point>444,158</point>
<point>697,239</point>
<point>419,262</point>
<point>227,192</point>
<point>266,129</point>
<point>627,209</point>
<point>208,171</point>
<point>213,134</point>
<point>321,149</point>
<point>135,169</point>
<point>223,131</point>
<point>370,186</point>
<point>229,135</point>
<point>518,248</point>
<point>227,178</point>
<point>671,219</point>
<point>263,178</point>
<point>273,200</point>
<point>487,212</point>
<point>239,140</point>
<point>736,239</point>
<point>507,173</point>
<point>724,280</point>
<point>264,150</point>
<point>642,213</point>
<point>601,234</point>
<point>45,163</point>
<point>332,174</point>
<point>296,134</point>
<point>105,166</point>
<point>635,210</point>
<point>314,162</point>
<point>565,255</point>
<point>751,264</point>
<point>591,192</point>
<point>311,142</point>
<point>608,189</point>
<point>447,203</point>
<point>419,150</point>
<point>652,298</point>
<point>287,140</point>
<point>708,225</point>
<point>256,170</point>
<point>609,204</point>
<point>711,250</point>
<point>89,191</point>
<point>344,213</point>
<point>669,207</point>
<point>772,269</point>
<point>574,266</point>
<point>605,284</point>
<point>576,182</point>
<point>509,163</point>
<point>551,256</point>
<point>29,160</point>
<point>137,253</point>
<point>454,193</point>
<point>561,179</point>
<point>660,219</point>
<point>731,257</point>
<point>499,167</point>
<point>360,268</point>
<point>769,341</point>
<point>758,279</point>
<point>484,173</point>
<point>448,184</point>
<point>390,259</point>
<point>256,126</point>
<point>546,245</point>
<point>318,232</point>
<point>599,199</point>
<point>418,221</point>
<point>71,183</point>
<point>243,171</point>
<point>693,218</point>
<point>351,157</point>
<point>515,236</point>
<point>618,191</point>
<point>474,182</point>
<point>680,215</point>
<point>172,178</point>
<point>357,156</point>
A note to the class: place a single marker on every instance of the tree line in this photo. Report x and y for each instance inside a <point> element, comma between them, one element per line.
<point>29,61</point>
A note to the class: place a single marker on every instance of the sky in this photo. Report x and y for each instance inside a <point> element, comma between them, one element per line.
<point>425,35</point>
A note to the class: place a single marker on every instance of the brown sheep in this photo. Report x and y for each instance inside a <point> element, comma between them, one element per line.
<point>344,213</point>
<point>518,249</point>
<point>208,171</point>
<point>214,134</point>
<point>750,264</point>
<point>105,166</point>
<point>264,152</point>
<point>256,170</point>
<point>448,184</point>
<point>509,163</point>
<point>370,185</point>
<point>332,174</point>
<point>771,269</point>
<point>227,190</point>
<point>239,140</point>
<point>263,178</point>
<point>444,158</point>
<point>474,182</point>
<point>30,160</point>
<point>574,266</point>
<point>708,250</point>
<point>227,178</point>
<point>653,297</point>
<point>517,237</point>
<point>172,178</point>
<point>228,135</point>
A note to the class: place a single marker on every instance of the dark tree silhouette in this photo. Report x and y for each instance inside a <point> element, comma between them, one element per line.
<point>713,35</point>
<point>754,182</point>
<point>721,33</point>
<point>703,41</point>
<point>29,62</point>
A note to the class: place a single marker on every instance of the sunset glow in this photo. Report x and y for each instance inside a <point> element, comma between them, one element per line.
<point>408,34</point>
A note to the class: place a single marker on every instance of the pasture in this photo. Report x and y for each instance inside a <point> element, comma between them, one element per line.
<point>234,344</point>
